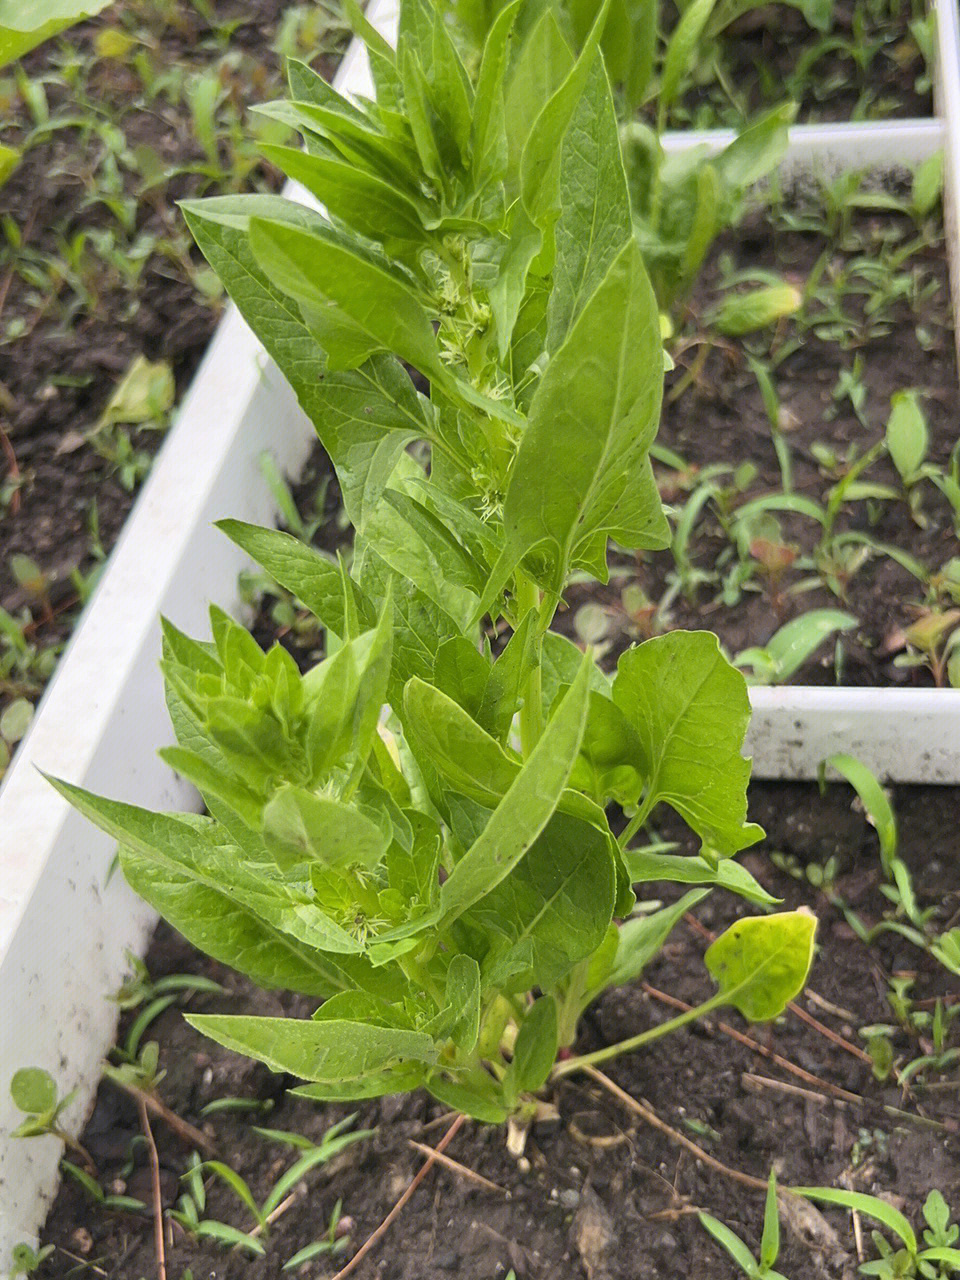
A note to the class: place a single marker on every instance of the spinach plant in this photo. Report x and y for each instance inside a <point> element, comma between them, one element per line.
<point>416,830</point>
<point>681,201</point>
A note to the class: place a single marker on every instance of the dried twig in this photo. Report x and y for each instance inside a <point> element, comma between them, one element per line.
<point>384,1226</point>
<point>652,1119</point>
<point>13,469</point>
<point>184,1130</point>
<point>456,1167</point>
<point>750,1043</point>
<point>155,1187</point>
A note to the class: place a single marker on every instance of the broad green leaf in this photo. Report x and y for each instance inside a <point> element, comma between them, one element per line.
<point>642,938</point>
<point>644,867</point>
<point>366,416</point>
<point>463,673</point>
<point>907,436</point>
<point>300,826</point>
<point>475,1095</point>
<point>471,760</point>
<point>461,1022</point>
<point>595,220</point>
<point>582,465</point>
<point>756,150</point>
<point>543,63</point>
<point>319,267</point>
<point>525,809</point>
<point>333,1051</point>
<point>551,911</point>
<point>508,678</point>
<point>761,963</point>
<point>419,546</point>
<point>607,766</point>
<point>365,202</point>
<point>378,1084</point>
<point>927,184</point>
<point>690,709</point>
<point>313,577</point>
<point>26,23</point>
<point>869,1206</point>
<point>535,1049</point>
<point>167,860</point>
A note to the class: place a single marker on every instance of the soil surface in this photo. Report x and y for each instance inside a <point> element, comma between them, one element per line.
<point>719,418</point>
<point>603,1194</point>
<point>867,66</point>
<point>67,335</point>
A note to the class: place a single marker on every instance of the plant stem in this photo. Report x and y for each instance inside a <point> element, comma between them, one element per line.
<point>635,1042</point>
<point>531,713</point>
<point>635,823</point>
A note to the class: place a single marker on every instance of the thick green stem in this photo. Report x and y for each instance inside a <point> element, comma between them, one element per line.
<point>636,822</point>
<point>636,1042</point>
<point>531,713</point>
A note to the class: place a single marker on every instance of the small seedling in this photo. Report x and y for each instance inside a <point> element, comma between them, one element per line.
<point>25,1260</point>
<point>761,1268</point>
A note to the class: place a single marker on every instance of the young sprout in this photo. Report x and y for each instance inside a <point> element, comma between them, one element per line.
<point>753,1268</point>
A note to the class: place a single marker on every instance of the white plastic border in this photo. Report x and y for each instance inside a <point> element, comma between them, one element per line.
<point>63,927</point>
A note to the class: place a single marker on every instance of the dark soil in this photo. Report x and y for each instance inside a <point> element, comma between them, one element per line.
<point>867,66</point>
<point>604,1195</point>
<point>64,348</point>
<point>720,418</point>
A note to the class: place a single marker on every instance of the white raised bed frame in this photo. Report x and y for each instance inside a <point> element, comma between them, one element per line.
<point>63,927</point>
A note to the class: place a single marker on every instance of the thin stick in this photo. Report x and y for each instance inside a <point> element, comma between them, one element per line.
<point>802,1014</point>
<point>425,1168</point>
<point>749,1043</point>
<point>278,1212</point>
<point>780,1086</point>
<point>652,1119</point>
<point>830,1034</point>
<point>155,1184</point>
<point>456,1167</point>
<point>81,1261</point>
<point>184,1130</point>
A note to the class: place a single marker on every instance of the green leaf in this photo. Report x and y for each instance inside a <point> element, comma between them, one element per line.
<point>540,159</point>
<point>462,1023</point>
<point>690,709</point>
<point>298,825</point>
<point>761,962</point>
<point>314,578</point>
<point>907,436</point>
<point>770,1241</point>
<point>551,911</point>
<point>595,220</point>
<point>642,938</point>
<point>24,23</point>
<point>525,809</point>
<point>488,145</point>
<point>537,72</point>
<point>874,800</point>
<point>34,1091</point>
<point>535,1049</point>
<point>732,1243</point>
<point>870,1206</point>
<point>180,869</point>
<point>319,267</point>
<point>680,50</point>
<point>643,867</point>
<point>927,184</point>
<point>475,1095</point>
<point>789,648</point>
<point>333,1051</point>
<point>756,150</point>
<point>582,467</point>
<point>365,202</point>
<point>743,313</point>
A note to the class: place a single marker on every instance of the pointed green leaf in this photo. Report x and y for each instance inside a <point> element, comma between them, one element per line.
<point>761,963</point>
<point>690,709</point>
